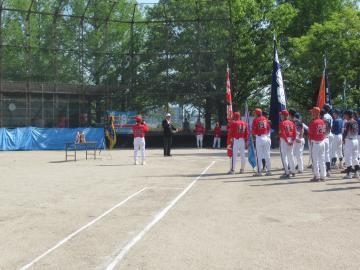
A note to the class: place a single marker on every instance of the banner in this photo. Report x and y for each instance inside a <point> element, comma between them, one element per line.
<point>31,138</point>
<point>251,149</point>
<point>278,98</point>
<point>123,121</point>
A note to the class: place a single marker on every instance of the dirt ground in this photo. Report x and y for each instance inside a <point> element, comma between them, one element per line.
<point>176,213</point>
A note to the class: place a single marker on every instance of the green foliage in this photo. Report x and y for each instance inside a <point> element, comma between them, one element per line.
<point>178,51</point>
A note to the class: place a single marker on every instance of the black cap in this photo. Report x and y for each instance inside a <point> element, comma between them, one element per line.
<point>349,113</point>
<point>297,115</point>
<point>327,107</point>
<point>292,112</point>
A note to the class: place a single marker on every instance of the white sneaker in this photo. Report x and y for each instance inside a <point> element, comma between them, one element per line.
<point>143,163</point>
<point>135,162</point>
<point>357,175</point>
<point>348,176</point>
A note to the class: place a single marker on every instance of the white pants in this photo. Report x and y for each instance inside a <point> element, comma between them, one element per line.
<point>287,156</point>
<point>199,140</point>
<point>217,141</point>
<point>337,146</point>
<point>327,149</point>
<point>351,152</point>
<point>238,147</point>
<point>331,146</point>
<point>298,153</point>
<point>359,146</point>
<point>263,144</point>
<point>318,159</point>
<point>139,143</point>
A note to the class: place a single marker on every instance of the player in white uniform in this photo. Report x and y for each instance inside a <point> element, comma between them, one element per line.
<point>351,143</point>
<point>328,138</point>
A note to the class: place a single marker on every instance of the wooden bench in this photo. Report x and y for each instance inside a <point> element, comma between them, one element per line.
<point>80,146</point>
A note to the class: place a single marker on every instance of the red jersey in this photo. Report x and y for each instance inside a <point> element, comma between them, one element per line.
<point>139,130</point>
<point>260,126</point>
<point>239,130</point>
<point>287,130</point>
<point>317,130</point>
<point>217,132</point>
<point>199,130</point>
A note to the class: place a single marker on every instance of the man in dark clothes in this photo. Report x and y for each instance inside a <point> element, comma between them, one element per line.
<point>169,130</point>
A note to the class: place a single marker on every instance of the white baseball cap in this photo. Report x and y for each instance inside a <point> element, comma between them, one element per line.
<point>168,115</point>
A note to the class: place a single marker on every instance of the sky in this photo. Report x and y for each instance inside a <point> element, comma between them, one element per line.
<point>147,1</point>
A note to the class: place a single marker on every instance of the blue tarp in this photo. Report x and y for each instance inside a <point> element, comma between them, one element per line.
<point>31,138</point>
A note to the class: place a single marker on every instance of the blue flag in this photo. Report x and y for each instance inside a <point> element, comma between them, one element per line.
<point>251,149</point>
<point>278,98</point>
<point>327,88</point>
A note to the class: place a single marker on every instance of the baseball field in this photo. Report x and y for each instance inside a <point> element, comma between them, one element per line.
<point>177,213</point>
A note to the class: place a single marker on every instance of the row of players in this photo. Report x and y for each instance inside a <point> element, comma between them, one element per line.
<point>329,136</point>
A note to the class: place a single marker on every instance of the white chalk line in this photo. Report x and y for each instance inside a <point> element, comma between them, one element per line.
<point>70,236</point>
<point>156,219</point>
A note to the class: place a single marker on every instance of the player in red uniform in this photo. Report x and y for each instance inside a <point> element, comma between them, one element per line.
<point>217,136</point>
<point>261,130</point>
<point>199,132</point>
<point>317,130</point>
<point>139,131</point>
<point>287,134</point>
<point>239,136</point>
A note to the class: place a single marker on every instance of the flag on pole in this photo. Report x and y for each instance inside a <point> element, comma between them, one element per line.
<point>229,111</point>
<point>251,149</point>
<point>278,98</point>
<point>110,133</point>
<point>324,91</point>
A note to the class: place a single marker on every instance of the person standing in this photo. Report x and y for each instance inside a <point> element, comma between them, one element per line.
<point>299,142</point>
<point>317,130</point>
<point>217,135</point>
<point>325,115</point>
<point>169,130</point>
<point>261,129</point>
<point>139,130</point>
<point>351,131</point>
<point>239,134</point>
<point>337,147</point>
<point>199,132</point>
<point>358,121</point>
<point>287,134</point>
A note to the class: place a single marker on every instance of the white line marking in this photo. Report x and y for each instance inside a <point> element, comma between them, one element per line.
<point>156,219</point>
<point>60,243</point>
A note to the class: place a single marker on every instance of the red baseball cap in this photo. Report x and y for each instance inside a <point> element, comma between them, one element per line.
<point>138,119</point>
<point>237,115</point>
<point>258,111</point>
<point>284,113</point>
<point>315,110</point>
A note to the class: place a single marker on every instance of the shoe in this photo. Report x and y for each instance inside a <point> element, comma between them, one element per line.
<point>241,171</point>
<point>231,172</point>
<point>143,163</point>
<point>285,176</point>
<point>257,174</point>
<point>315,179</point>
<point>300,172</point>
<point>322,179</point>
<point>310,166</point>
<point>328,174</point>
<point>268,174</point>
<point>348,176</point>
<point>293,174</point>
<point>135,163</point>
